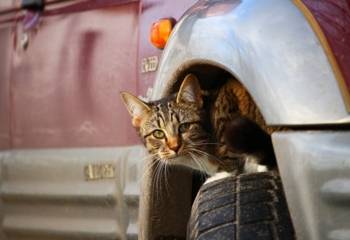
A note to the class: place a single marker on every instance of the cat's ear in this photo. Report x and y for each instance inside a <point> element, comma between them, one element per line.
<point>190,91</point>
<point>136,107</point>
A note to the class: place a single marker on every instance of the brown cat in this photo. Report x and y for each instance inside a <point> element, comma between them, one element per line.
<point>210,132</point>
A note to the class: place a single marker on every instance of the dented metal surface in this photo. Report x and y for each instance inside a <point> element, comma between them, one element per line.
<point>62,90</point>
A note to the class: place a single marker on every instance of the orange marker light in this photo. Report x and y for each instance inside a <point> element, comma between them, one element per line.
<point>160,32</point>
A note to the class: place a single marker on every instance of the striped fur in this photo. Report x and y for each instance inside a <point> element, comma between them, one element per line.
<point>182,130</point>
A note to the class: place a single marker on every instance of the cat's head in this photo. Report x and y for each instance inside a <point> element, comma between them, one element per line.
<point>171,128</point>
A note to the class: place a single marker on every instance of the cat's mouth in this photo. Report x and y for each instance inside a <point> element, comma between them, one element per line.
<point>174,158</point>
<point>171,157</point>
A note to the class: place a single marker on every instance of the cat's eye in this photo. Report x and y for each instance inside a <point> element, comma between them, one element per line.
<point>184,127</point>
<point>158,134</point>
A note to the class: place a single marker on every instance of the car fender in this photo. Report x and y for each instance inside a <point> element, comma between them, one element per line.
<point>269,46</point>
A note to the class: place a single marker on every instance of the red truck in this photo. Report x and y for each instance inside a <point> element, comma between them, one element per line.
<point>71,165</point>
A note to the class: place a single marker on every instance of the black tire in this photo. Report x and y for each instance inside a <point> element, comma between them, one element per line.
<point>246,207</point>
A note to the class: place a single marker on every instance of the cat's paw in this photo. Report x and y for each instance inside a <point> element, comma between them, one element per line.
<point>250,167</point>
<point>218,176</point>
<point>262,168</point>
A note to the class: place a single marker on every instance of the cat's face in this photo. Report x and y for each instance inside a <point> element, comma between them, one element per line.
<point>172,128</point>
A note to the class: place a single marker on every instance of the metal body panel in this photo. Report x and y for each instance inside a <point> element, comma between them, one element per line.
<point>5,63</point>
<point>45,194</point>
<point>315,167</point>
<point>63,90</point>
<point>334,19</point>
<point>269,46</point>
<point>151,11</point>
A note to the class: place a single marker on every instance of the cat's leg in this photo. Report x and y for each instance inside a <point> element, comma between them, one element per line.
<point>218,175</point>
<point>252,165</point>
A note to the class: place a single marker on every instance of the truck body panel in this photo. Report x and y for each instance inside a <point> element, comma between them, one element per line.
<point>270,48</point>
<point>70,161</point>
<point>64,88</point>
<point>89,193</point>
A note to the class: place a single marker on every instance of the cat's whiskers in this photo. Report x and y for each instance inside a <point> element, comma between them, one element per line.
<point>167,185</point>
<point>202,156</point>
<point>195,161</point>
<point>200,143</point>
<point>193,151</point>
<point>154,167</point>
<point>150,162</point>
<point>206,154</point>
<point>157,178</point>
<point>160,176</point>
<point>200,165</point>
<point>201,129</point>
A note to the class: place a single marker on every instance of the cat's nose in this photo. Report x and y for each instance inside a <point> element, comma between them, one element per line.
<point>173,144</point>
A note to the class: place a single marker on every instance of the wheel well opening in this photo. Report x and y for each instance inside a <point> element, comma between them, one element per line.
<point>212,77</point>
<point>181,181</point>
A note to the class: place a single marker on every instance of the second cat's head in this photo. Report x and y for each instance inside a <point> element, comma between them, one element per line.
<point>171,127</point>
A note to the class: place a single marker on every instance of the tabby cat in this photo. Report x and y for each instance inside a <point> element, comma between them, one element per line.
<point>210,132</point>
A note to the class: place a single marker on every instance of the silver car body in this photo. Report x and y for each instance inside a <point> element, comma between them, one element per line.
<point>269,46</point>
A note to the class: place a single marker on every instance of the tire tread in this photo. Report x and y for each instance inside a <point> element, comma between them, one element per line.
<point>245,207</point>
